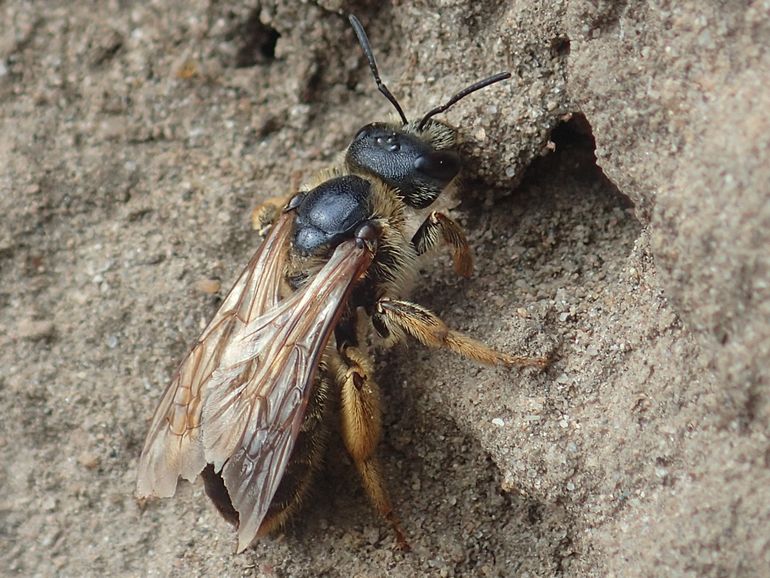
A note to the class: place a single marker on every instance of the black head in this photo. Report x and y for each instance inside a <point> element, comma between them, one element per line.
<point>404,161</point>
<point>416,159</point>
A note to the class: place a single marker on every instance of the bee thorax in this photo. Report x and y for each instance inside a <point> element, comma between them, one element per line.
<point>331,213</point>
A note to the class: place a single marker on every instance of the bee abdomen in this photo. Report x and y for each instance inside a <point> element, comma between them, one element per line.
<point>330,213</point>
<point>305,460</point>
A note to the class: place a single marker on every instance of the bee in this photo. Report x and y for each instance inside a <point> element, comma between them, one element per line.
<point>251,406</point>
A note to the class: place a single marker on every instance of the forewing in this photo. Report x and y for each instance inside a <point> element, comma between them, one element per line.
<point>173,445</point>
<point>255,402</point>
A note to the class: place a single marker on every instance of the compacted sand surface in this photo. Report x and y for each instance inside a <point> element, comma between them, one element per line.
<point>615,194</point>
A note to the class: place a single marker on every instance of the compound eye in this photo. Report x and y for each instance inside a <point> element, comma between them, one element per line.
<point>442,166</point>
<point>364,132</point>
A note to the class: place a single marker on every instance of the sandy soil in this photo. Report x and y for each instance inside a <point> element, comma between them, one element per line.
<point>616,199</point>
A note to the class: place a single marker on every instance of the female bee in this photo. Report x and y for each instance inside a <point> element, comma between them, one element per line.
<point>250,407</point>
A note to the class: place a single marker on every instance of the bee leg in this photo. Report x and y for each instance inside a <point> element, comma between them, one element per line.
<point>437,228</point>
<point>395,319</point>
<point>361,424</point>
<point>266,213</point>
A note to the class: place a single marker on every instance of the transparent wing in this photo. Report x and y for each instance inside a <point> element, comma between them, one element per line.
<point>255,402</point>
<point>173,446</point>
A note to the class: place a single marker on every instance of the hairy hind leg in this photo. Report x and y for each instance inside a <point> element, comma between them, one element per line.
<point>361,425</point>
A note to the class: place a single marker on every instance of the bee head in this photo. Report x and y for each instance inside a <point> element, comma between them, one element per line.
<point>410,164</point>
<point>416,158</point>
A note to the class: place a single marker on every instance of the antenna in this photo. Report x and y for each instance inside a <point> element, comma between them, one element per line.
<point>462,94</point>
<point>367,48</point>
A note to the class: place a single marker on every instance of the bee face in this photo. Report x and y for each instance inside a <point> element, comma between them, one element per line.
<point>406,161</point>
